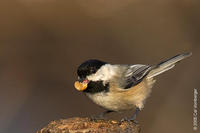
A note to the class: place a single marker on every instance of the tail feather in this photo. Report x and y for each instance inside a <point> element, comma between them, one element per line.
<point>166,65</point>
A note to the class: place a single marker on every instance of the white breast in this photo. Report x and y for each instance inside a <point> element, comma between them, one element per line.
<point>125,99</point>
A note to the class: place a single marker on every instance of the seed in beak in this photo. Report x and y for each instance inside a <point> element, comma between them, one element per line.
<point>80,86</point>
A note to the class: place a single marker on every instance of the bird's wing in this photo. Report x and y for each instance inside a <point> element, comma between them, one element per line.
<point>133,75</point>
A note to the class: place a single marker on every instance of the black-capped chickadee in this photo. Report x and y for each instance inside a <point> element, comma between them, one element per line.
<point>117,87</point>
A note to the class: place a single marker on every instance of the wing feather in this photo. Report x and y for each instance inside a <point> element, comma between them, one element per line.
<point>134,75</point>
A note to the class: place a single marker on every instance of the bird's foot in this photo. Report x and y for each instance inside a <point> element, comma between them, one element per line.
<point>129,120</point>
<point>133,118</point>
<point>97,117</point>
<point>100,116</point>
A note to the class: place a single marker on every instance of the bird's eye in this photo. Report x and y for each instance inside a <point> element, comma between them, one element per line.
<point>92,71</point>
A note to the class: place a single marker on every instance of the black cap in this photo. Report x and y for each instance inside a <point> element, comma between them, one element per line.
<point>89,67</point>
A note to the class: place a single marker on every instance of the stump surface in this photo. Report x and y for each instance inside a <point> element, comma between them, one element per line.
<point>86,125</point>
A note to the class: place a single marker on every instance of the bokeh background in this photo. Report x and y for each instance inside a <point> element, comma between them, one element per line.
<point>43,41</point>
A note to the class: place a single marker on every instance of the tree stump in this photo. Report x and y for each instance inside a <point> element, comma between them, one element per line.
<point>86,125</point>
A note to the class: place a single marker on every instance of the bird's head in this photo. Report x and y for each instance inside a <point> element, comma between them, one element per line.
<point>88,78</point>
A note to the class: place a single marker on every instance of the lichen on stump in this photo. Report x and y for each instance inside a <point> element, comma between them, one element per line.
<point>86,125</point>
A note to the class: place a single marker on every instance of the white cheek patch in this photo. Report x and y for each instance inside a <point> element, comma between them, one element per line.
<point>105,73</point>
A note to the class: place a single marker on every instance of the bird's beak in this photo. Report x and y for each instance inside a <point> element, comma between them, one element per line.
<point>81,86</point>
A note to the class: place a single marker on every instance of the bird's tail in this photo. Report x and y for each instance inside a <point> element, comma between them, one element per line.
<point>166,65</point>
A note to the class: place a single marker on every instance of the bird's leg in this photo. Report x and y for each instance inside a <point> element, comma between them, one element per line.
<point>133,118</point>
<point>105,112</point>
<point>101,115</point>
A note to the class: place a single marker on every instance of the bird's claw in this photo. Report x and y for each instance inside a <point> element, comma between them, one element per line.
<point>96,117</point>
<point>129,120</point>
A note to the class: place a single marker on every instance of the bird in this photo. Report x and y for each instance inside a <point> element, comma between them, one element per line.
<point>121,87</point>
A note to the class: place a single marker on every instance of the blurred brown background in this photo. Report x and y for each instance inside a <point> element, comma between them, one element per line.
<point>43,41</point>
